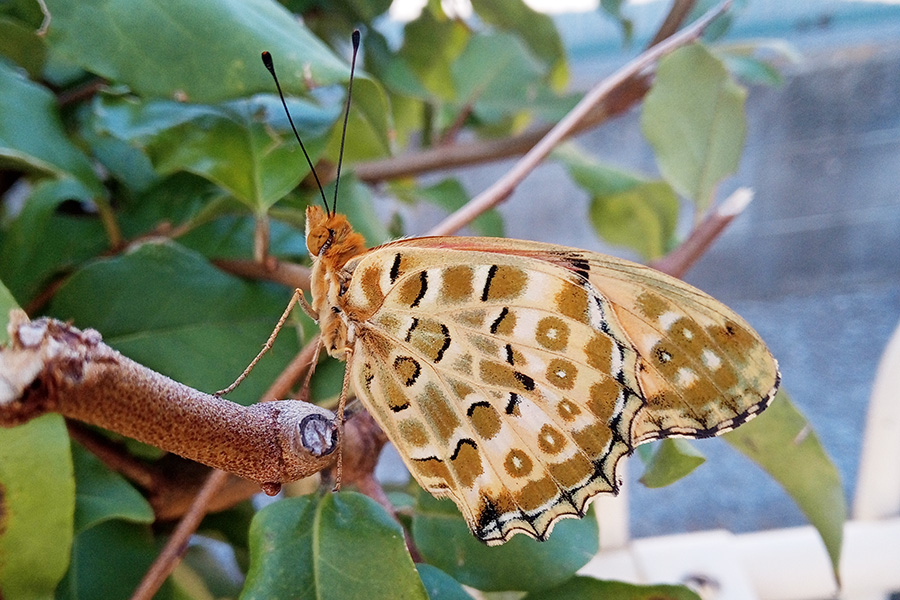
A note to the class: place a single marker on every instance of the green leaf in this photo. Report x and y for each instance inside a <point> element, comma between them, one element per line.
<point>694,118</point>
<point>585,588</point>
<point>444,540</point>
<point>784,444</point>
<point>338,546</point>
<point>643,218</point>
<point>496,76</point>
<point>169,309</point>
<point>108,561</point>
<point>7,303</point>
<point>450,195</point>
<point>41,243</point>
<point>755,62</point>
<point>614,9</point>
<point>32,136</point>
<point>369,128</point>
<point>672,460</point>
<point>37,504</point>
<point>201,50</point>
<point>535,29</point>
<point>23,46</point>
<point>439,585</point>
<point>430,46</point>
<point>232,144</point>
<point>625,209</point>
<point>102,495</point>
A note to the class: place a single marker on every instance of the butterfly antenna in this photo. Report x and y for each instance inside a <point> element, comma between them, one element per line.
<point>337,179</point>
<point>267,60</point>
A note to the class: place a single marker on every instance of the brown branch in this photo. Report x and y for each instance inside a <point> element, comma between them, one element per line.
<point>678,12</point>
<point>479,152</point>
<point>289,274</point>
<point>680,260</point>
<point>177,543</point>
<point>504,186</point>
<point>170,483</point>
<point>52,367</point>
<point>211,492</point>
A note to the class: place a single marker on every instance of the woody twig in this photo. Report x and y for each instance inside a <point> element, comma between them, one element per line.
<point>50,366</point>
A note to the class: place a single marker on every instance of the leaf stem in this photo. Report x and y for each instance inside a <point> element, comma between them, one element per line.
<point>108,218</point>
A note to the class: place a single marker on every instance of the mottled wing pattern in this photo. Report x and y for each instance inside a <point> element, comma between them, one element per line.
<point>512,376</point>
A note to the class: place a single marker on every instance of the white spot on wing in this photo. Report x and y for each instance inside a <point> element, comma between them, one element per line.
<point>711,359</point>
<point>685,377</point>
<point>667,318</point>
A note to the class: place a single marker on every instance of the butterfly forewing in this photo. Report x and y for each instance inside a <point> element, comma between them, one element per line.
<point>491,375</point>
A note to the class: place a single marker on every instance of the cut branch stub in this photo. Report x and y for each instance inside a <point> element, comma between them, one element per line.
<point>50,366</point>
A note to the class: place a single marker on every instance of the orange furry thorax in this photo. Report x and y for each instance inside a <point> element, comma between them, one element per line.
<point>330,238</point>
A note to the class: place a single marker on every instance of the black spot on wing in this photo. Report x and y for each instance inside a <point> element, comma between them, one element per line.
<point>509,354</point>
<point>460,444</point>
<point>526,381</point>
<point>440,353</point>
<point>512,404</point>
<point>395,268</point>
<point>415,323</point>
<point>487,284</point>
<point>423,281</point>
<point>499,319</point>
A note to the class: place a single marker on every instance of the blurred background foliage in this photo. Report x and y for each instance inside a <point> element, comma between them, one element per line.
<point>141,147</point>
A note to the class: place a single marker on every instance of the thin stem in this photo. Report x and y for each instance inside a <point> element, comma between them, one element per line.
<point>108,218</point>
<point>680,260</point>
<point>177,544</point>
<point>504,186</point>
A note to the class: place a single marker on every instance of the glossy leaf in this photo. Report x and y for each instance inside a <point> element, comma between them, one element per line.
<point>230,144</point>
<point>102,495</point>
<point>108,561</point>
<point>625,209</point>
<point>534,28</point>
<point>430,46</point>
<point>201,50</point>
<point>694,118</point>
<point>496,76</point>
<point>23,46</point>
<point>444,540</point>
<point>439,585</point>
<point>670,460</point>
<point>37,503</point>
<point>41,243</point>
<point>784,444</point>
<point>32,137</point>
<point>585,588</point>
<point>341,545</point>
<point>169,309</point>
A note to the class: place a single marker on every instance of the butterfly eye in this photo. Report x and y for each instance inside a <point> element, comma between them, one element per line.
<point>319,240</point>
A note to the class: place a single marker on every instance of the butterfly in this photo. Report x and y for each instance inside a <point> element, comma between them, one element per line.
<point>512,376</point>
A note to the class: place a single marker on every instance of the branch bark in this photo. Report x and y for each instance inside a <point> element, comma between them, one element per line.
<point>52,366</point>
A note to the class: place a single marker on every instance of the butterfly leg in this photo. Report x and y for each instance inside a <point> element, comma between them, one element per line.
<point>297,298</point>
<point>342,402</point>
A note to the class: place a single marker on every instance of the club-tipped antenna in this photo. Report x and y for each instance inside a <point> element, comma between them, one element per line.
<point>267,60</point>
<point>337,179</point>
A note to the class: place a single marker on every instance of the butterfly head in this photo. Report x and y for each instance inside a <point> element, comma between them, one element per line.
<point>330,237</point>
